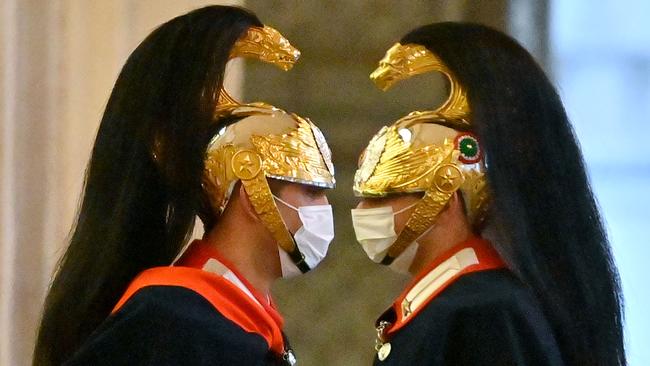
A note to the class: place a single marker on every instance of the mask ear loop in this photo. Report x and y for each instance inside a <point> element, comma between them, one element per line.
<point>421,235</point>
<point>406,208</point>
<point>285,203</point>
<point>447,179</point>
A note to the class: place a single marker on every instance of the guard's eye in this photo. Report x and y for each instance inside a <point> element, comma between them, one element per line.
<point>315,192</point>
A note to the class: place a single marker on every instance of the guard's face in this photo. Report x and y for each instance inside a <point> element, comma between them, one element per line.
<point>397,202</point>
<point>297,195</point>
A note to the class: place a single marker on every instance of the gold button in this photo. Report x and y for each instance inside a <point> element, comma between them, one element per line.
<point>448,178</point>
<point>246,164</point>
<point>384,351</point>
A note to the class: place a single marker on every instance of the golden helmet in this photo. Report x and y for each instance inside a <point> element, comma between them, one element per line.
<point>264,142</point>
<point>433,152</point>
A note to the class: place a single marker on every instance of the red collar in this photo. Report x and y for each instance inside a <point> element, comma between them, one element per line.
<point>226,297</point>
<point>200,252</point>
<point>480,257</point>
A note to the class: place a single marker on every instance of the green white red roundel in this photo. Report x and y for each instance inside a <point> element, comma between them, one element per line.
<point>469,148</point>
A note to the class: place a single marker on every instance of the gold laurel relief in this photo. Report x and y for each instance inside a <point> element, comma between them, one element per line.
<point>402,169</point>
<point>294,154</point>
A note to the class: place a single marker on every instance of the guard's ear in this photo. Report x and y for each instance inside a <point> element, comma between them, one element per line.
<point>455,204</point>
<point>455,198</point>
<point>456,207</point>
<point>246,204</point>
<point>458,196</point>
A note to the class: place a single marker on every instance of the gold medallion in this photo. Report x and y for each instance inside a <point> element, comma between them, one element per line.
<point>384,351</point>
<point>246,164</point>
<point>448,178</point>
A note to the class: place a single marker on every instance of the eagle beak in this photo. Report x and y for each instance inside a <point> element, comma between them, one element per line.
<point>287,62</point>
<point>384,76</point>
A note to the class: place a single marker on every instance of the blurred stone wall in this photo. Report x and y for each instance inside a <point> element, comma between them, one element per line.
<point>330,313</point>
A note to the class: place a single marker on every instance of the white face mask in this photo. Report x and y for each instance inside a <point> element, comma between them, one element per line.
<point>375,231</point>
<point>313,238</point>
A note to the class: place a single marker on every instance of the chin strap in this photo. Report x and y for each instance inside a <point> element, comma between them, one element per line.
<point>447,179</point>
<point>247,166</point>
